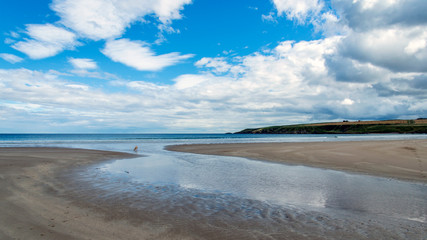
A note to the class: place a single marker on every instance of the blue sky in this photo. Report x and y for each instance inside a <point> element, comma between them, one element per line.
<point>208,66</point>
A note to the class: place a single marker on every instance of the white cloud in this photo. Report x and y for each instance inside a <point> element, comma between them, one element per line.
<point>14,34</point>
<point>168,10</point>
<point>46,41</point>
<point>78,86</point>
<point>218,64</point>
<point>347,101</point>
<point>329,24</point>
<point>363,15</point>
<point>350,70</point>
<point>11,58</point>
<point>138,55</point>
<point>50,34</point>
<point>83,63</point>
<point>188,81</point>
<point>295,82</point>
<point>390,34</point>
<point>66,106</point>
<point>104,19</point>
<point>298,10</point>
<point>38,50</point>
<point>93,19</point>
<point>48,90</point>
<point>417,44</point>
<point>338,77</point>
<point>271,17</point>
<point>292,83</point>
<point>85,67</point>
<point>290,80</point>
<point>398,49</point>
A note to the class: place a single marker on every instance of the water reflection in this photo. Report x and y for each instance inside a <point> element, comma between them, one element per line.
<point>278,184</point>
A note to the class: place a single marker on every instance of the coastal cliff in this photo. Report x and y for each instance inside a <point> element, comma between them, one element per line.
<point>345,127</point>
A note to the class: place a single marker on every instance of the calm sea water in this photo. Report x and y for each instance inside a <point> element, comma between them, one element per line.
<point>202,185</point>
<point>49,139</point>
<point>154,143</point>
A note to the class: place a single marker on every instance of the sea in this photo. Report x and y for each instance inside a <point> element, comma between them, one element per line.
<point>214,190</point>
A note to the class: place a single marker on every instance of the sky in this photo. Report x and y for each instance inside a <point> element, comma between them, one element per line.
<point>202,66</point>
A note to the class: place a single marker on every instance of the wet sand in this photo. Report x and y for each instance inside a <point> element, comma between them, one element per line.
<point>401,159</point>
<point>34,203</point>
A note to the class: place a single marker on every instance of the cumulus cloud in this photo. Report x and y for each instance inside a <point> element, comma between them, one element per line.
<point>138,55</point>
<point>45,41</point>
<point>11,58</point>
<point>389,34</point>
<point>104,19</point>
<point>55,104</point>
<point>415,86</point>
<point>349,70</point>
<point>363,15</point>
<point>49,91</point>
<point>398,49</point>
<point>366,70</point>
<point>300,82</point>
<point>292,79</point>
<point>292,83</point>
<point>96,20</point>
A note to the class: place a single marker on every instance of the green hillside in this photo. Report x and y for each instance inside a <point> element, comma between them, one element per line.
<point>388,126</point>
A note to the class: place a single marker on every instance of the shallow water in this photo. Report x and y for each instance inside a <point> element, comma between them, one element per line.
<point>278,184</point>
<point>236,198</point>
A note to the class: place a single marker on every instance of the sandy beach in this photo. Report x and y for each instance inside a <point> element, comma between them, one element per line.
<point>34,205</point>
<point>401,159</point>
<point>38,202</point>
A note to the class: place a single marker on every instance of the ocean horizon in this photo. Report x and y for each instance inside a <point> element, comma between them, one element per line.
<point>47,137</point>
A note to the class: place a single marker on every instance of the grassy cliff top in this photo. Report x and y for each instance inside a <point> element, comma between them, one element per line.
<point>345,127</point>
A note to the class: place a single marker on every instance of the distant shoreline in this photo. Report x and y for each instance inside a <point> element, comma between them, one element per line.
<point>346,127</point>
<point>400,159</point>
